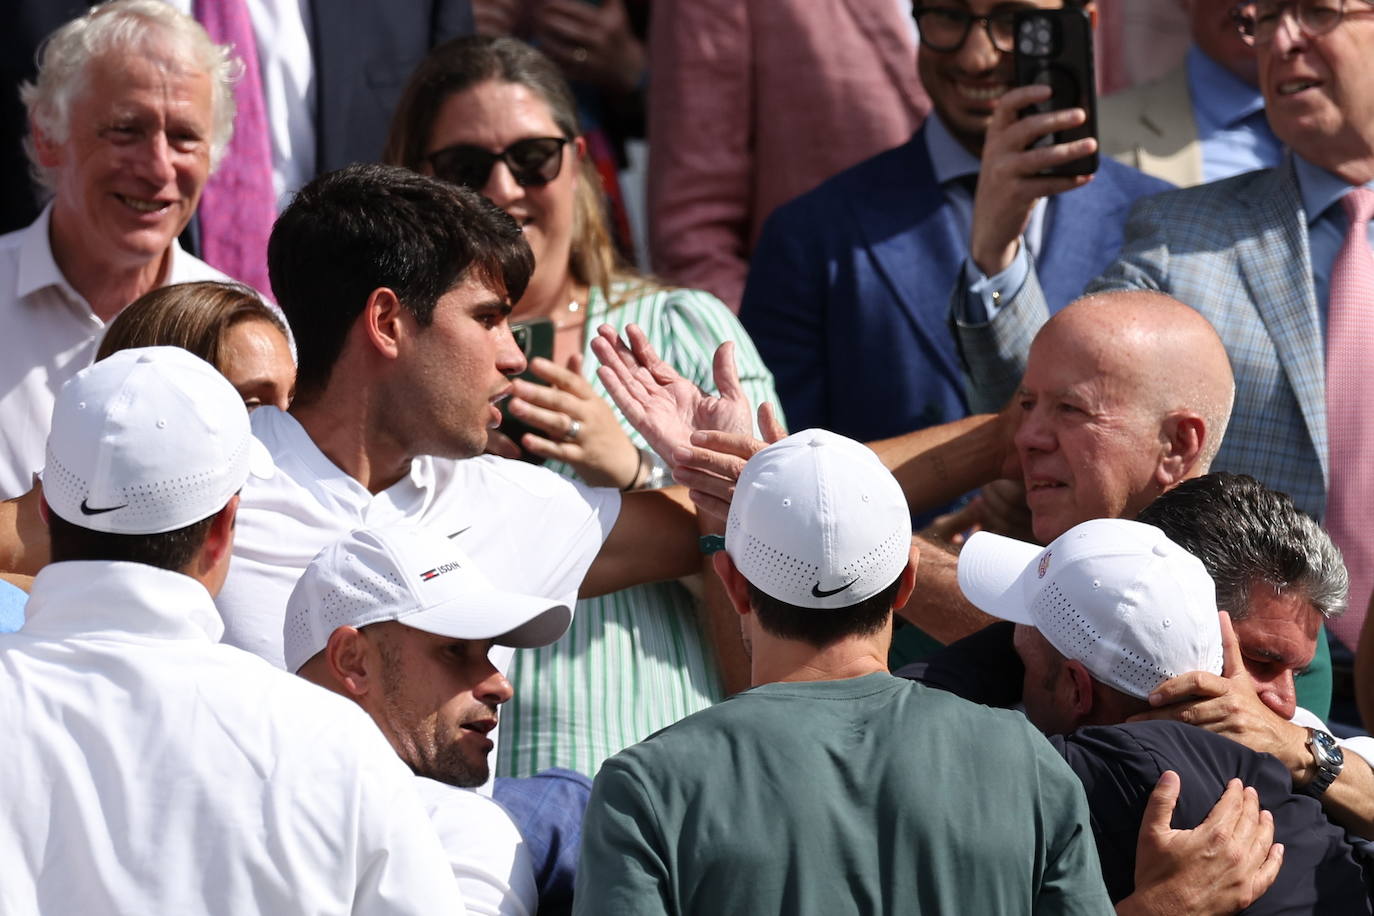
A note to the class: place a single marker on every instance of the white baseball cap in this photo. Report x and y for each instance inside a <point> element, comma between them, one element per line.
<point>1117,595</point>
<point>416,577</point>
<point>818,522</point>
<point>147,441</point>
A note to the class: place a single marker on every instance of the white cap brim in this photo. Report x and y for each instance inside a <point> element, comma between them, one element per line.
<point>990,570</point>
<point>507,618</point>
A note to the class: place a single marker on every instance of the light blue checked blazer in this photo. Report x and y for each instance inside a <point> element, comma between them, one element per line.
<point>1237,251</point>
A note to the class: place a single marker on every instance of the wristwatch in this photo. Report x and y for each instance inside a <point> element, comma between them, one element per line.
<point>1329,759</point>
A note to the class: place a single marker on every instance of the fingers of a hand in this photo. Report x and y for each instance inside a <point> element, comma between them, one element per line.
<point>725,373</point>
<point>946,526</point>
<point>617,351</point>
<point>561,376</point>
<point>702,480</point>
<point>1232,662</point>
<point>498,443</point>
<point>554,422</point>
<point>575,364</point>
<point>1227,811</point>
<point>1268,871</point>
<point>620,394</point>
<point>770,427</point>
<point>1192,685</point>
<point>548,448</point>
<point>1007,110</point>
<point>1023,132</point>
<point>707,461</point>
<point>745,447</point>
<point>1159,807</point>
<point>551,398</point>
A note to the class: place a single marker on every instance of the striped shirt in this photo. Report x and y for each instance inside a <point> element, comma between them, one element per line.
<point>635,661</point>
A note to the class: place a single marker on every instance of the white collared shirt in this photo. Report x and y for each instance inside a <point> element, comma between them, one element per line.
<point>490,858</point>
<point>48,333</point>
<point>147,769</point>
<point>527,528</point>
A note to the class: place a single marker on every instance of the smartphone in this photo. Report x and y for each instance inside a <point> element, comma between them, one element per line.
<point>534,338</point>
<point>1055,48</point>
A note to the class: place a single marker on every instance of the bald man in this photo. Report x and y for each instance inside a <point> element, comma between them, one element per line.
<point>1125,395</point>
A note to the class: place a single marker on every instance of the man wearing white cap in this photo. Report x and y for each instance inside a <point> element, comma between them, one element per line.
<point>830,786</point>
<point>1105,613</point>
<point>401,622</point>
<point>148,768</point>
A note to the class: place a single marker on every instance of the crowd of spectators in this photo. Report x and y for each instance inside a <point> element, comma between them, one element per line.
<point>379,534</point>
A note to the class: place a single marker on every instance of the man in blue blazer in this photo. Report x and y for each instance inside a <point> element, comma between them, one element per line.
<point>1254,255</point>
<point>847,293</point>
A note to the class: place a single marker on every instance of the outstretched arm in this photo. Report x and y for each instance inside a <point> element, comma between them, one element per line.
<point>1229,705</point>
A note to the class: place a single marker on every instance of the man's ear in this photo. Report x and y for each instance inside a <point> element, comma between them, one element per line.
<point>736,586</point>
<point>383,322</point>
<point>908,578</point>
<point>46,150</point>
<point>1184,437</point>
<point>1076,689</point>
<point>348,657</point>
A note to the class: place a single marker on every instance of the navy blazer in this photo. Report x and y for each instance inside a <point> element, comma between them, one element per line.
<point>848,290</point>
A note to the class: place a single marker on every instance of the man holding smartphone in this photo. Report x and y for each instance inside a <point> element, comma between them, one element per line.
<point>1279,260</point>
<point>847,291</point>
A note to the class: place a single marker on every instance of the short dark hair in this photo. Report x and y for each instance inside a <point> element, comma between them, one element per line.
<point>1246,534</point>
<point>365,227</point>
<point>821,628</point>
<point>173,550</point>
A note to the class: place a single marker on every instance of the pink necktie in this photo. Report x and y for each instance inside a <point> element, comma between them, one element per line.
<point>1350,410</point>
<point>239,204</point>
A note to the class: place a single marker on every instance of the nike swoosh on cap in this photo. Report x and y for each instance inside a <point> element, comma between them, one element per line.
<point>818,592</point>
<point>87,510</point>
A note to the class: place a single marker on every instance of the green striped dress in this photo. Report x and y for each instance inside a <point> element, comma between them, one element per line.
<point>635,661</point>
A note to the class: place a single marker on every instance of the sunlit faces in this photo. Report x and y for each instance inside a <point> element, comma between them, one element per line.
<point>964,85</point>
<point>453,373</point>
<point>130,173</point>
<point>1088,448</point>
<point>1319,90</point>
<point>1277,639</point>
<point>493,115</point>
<point>439,702</point>
<point>257,362</point>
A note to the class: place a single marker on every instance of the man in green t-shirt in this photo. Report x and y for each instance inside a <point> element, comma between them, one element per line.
<point>831,787</point>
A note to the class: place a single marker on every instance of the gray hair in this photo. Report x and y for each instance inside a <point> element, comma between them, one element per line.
<point>130,27</point>
<point>1247,534</point>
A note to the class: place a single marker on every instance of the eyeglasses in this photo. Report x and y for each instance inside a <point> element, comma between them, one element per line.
<point>944,28</point>
<point>532,162</point>
<point>1259,20</point>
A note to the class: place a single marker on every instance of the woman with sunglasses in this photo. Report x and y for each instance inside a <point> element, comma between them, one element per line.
<point>494,114</point>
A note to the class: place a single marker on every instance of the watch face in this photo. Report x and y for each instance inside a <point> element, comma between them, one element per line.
<point>1326,748</point>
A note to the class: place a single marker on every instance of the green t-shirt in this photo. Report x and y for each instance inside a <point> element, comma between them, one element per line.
<point>872,795</point>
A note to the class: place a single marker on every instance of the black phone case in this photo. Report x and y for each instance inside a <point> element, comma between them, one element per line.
<point>1055,48</point>
<point>535,338</point>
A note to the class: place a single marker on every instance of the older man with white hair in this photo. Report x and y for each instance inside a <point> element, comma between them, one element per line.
<point>130,111</point>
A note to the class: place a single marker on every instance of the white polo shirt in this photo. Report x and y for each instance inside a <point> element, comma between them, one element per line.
<point>147,769</point>
<point>489,856</point>
<point>527,528</point>
<point>48,333</point>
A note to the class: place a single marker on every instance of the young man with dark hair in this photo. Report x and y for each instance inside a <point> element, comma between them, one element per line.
<point>146,767</point>
<point>405,284</point>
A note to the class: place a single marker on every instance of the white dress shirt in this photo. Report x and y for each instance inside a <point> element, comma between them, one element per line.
<point>48,333</point>
<point>148,769</point>
<point>489,856</point>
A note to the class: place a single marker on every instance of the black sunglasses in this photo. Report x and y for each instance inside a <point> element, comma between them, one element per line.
<point>532,162</point>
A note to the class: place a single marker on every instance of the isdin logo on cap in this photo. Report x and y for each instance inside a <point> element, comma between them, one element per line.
<point>1044,564</point>
<point>438,571</point>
